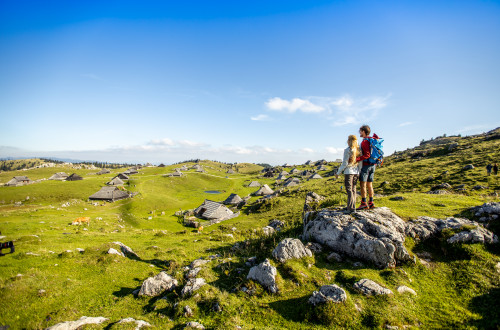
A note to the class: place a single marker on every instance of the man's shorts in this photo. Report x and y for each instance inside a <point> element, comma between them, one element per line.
<point>367,173</point>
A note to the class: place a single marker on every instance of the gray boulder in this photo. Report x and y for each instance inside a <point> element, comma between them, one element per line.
<point>126,250</point>
<point>268,230</point>
<point>334,257</point>
<point>192,285</point>
<point>290,248</point>
<point>194,325</point>
<point>198,263</point>
<point>276,224</point>
<point>193,272</point>
<point>154,286</point>
<point>425,227</point>
<point>73,325</point>
<point>265,274</point>
<point>114,251</point>
<point>328,293</point>
<point>314,247</point>
<point>376,235</point>
<point>404,289</point>
<point>441,186</point>
<point>468,167</point>
<point>370,288</point>
<point>313,197</point>
<point>138,323</point>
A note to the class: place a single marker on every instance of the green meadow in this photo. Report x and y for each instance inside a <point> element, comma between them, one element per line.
<point>47,281</point>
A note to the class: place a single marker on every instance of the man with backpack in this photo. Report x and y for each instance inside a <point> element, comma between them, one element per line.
<point>371,155</point>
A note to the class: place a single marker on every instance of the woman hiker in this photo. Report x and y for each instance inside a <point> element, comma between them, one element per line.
<point>350,169</point>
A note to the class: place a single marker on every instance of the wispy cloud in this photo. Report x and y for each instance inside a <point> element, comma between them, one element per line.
<point>296,104</point>
<point>476,128</point>
<point>343,110</point>
<point>406,123</point>
<point>92,76</point>
<point>260,117</point>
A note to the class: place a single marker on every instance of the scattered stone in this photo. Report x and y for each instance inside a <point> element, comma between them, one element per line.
<point>357,264</point>
<point>441,186</point>
<point>192,285</point>
<point>276,224</point>
<point>468,167</point>
<point>198,263</point>
<point>32,254</point>
<point>194,325</point>
<point>479,187</point>
<point>376,236</point>
<point>438,192</point>
<point>328,293</point>
<point>404,289</point>
<point>370,288</point>
<point>41,292</point>
<point>73,325</point>
<point>268,230</point>
<point>334,257</point>
<point>113,251</point>
<point>216,307</point>
<point>193,272</point>
<point>188,312</point>
<point>384,184</point>
<point>452,146</point>
<point>314,247</point>
<point>397,198</point>
<point>313,197</point>
<point>265,274</point>
<point>154,286</point>
<point>290,248</point>
<point>139,323</point>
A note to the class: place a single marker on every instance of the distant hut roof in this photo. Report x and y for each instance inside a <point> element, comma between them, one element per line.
<point>230,171</point>
<point>264,190</point>
<point>131,171</point>
<point>175,174</point>
<point>18,181</point>
<point>287,165</point>
<point>122,176</point>
<point>254,184</point>
<point>233,199</point>
<point>321,168</point>
<point>59,176</point>
<point>74,177</point>
<point>291,183</point>
<point>321,162</point>
<point>284,173</point>
<point>200,169</point>
<point>281,177</point>
<point>268,174</point>
<point>109,194</point>
<point>161,165</point>
<point>305,173</point>
<point>116,181</point>
<point>184,168</point>
<point>103,171</point>
<point>315,176</point>
<point>22,178</point>
<point>309,162</point>
<point>211,210</point>
<point>294,171</point>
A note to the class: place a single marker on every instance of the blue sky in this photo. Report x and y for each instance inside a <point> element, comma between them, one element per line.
<point>258,81</point>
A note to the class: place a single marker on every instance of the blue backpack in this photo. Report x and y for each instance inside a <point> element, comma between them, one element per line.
<point>376,152</point>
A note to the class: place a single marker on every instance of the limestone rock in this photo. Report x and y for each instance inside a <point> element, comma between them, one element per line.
<point>154,286</point>
<point>126,250</point>
<point>425,227</point>
<point>193,272</point>
<point>334,257</point>
<point>192,285</point>
<point>188,312</point>
<point>194,325</point>
<point>404,289</point>
<point>370,288</point>
<point>268,230</point>
<point>198,263</point>
<point>265,274</point>
<point>313,197</point>
<point>468,167</point>
<point>314,247</point>
<point>438,192</point>
<point>73,325</point>
<point>444,185</point>
<point>328,293</point>
<point>376,236</point>
<point>290,248</point>
<point>276,224</point>
<point>139,323</point>
<point>113,251</point>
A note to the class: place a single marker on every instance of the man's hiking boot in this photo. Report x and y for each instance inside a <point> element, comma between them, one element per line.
<point>362,206</point>
<point>371,205</point>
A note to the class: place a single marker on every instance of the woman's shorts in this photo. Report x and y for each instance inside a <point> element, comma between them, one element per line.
<point>367,173</point>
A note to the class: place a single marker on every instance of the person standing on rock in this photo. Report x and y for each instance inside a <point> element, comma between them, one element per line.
<point>350,169</point>
<point>367,170</point>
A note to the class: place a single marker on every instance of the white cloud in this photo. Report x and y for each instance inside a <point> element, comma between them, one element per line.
<point>162,142</point>
<point>278,104</point>
<point>406,123</point>
<point>307,150</point>
<point>260,117</point>
<point>341,111</point>
<point>333,150</point>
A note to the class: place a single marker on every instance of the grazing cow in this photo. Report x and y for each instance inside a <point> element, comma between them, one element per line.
<point>80,220</point>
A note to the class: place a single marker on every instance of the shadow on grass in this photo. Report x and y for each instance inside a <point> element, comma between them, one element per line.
<point>487,306</point>
<point>292,309</point>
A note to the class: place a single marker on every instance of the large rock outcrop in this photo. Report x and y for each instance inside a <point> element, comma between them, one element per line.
<point>376,235</point>
<point>327,293</point>
<point>470,231</point>
<point>73,325</point>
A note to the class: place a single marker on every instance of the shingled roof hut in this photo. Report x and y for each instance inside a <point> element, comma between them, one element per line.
<point>254,184</point>
<point>211,210</point>
<point>18,181</point>
<point>264,190</point>
<point>268,174</point>
<point>109,194</point>
<point>161,165</point>
<point>295,171</point>
<point>131,171</point>
<point>103,171</point>
<point>281,177</point>
<point>74,177</point>
<point>321,168</point>
<point>233,199</point>
<point>291,182</point>
<point>309,162</point>
<point>230,171</point>
<point>59,176</point>
<point>116,181</point>
<point>122,176</point>
<point>315,176</point>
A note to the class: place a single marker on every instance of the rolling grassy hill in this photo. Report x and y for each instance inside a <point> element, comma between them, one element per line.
<point>457,289</point>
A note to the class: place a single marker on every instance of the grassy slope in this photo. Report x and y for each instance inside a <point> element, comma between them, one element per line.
<point>457,290</point>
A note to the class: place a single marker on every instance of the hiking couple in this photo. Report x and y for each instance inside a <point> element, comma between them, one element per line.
<point>361,164</point>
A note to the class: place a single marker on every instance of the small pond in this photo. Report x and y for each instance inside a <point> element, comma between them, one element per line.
<point>213,192</point>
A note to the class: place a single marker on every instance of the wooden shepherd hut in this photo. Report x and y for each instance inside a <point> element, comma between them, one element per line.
<point>109,194</point>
